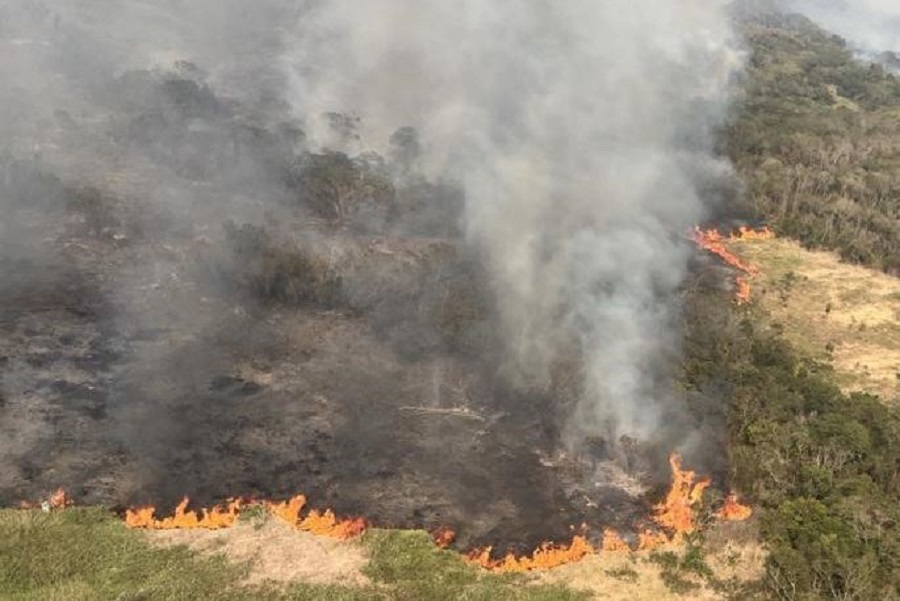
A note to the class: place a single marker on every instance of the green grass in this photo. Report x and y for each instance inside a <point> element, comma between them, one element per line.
<point>409,563</point>
<point>87,555</point>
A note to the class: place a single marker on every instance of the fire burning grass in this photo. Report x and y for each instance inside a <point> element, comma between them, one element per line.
<point>674,516</point>
<point>316,522</point>
<point>183,519</point>
<point>712,241</point>
<point>322,524</point>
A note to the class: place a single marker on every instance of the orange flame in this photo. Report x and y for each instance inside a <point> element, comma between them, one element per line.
<point>326,524</point>
<point>317,522</point>
<point>649,540</point>
<point>746,234</point>
<point>733,511</point>
<point>743,293</point>
<point>674,516</point>
<point>547,556</point>
<point>712,241</point>
<point>58,500</point>
<point>320,523</point>
<point>676,512</point>
<point>613,543</point>
<point>210,519</point>
<point>289,510</point>
<point>443,537</point>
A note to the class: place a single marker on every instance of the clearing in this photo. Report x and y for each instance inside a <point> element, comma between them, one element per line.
<point>846,315</point>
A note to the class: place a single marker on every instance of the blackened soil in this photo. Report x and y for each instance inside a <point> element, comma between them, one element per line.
<point>145,395</point>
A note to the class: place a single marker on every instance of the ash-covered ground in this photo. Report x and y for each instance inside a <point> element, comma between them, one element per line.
<point>212,288</point>
<point>170,326</point>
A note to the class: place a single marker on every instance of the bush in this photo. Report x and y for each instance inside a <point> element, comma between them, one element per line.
<point>821,466</point>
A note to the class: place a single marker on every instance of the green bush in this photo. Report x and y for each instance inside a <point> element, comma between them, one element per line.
<point>822,467</point>
<point>815,140</point>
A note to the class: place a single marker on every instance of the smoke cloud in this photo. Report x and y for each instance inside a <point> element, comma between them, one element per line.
<point>254,247</point>
<point>581,131</point>
<point>870,26</point>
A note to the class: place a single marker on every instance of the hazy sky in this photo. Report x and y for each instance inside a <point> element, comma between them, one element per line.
<point>870,25</point>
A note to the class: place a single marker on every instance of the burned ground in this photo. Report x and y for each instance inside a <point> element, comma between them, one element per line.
<point>163,334</point>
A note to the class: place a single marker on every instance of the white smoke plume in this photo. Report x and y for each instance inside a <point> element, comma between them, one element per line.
<point>870,26</point>
<point>581,131</point>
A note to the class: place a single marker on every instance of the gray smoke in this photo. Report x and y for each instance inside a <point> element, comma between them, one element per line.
<point>581,131</point>
<point>870,26</point>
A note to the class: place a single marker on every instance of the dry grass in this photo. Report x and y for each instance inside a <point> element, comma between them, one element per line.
<point>620,577</point>
<point>844,314</point>
<point>276,553</point>
<point>280,555</point>
<point>635,576</point>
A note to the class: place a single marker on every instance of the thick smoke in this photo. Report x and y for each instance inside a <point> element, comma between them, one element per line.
<point>580,130</point>
<point>199,299</point>
<point>870,26</point>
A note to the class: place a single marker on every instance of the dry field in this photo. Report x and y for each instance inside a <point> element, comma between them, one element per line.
<point>844,314</point>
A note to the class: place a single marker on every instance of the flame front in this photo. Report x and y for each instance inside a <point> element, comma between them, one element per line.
<point>210,519</point>
<point>674,516</point>
<point>547,556</point>
<point>443,537</point>
<point>613,543</point>
<point>317,522</point>
<point>733,511</point>
<point>676,512</point>
<point>746,234</point>
<point>649,540</point>
<point>58,500</point>
<point>712,241</point>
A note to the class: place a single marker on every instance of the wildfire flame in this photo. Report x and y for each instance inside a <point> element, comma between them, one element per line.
<point>320,523</point>
<point>443,537</point>
<point>613,543</point>
<point>733,511</point>
<point>649,540</point>
<point>712,241</point>
<point>214,518</point>
<point>674,516</point>
<point>747,234</point>
<point>547,556</point>
<point>676,512</point>
<point>58,500</point>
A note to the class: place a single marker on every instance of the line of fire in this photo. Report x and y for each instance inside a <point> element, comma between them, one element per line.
<point>673,518</point>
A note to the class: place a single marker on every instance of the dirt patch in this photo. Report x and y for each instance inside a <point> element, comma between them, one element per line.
<point>276,553</point>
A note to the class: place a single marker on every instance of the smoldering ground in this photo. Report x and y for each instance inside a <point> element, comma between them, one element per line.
<point>279,248</point>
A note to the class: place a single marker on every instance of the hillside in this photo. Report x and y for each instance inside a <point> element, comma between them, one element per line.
<point>816,141</point>
<point>844,315</point>
<point>86,554</point>
<point>332,329</point>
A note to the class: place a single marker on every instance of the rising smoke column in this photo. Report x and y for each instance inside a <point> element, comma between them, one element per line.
<point>580,131</point>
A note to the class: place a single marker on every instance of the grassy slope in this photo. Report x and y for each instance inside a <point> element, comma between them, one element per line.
<point>86,554</point>
<point>821,467</point>
<point>845,315</point>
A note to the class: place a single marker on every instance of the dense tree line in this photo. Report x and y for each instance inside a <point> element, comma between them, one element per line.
<point>816,139</point>
<point>821,467</point>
